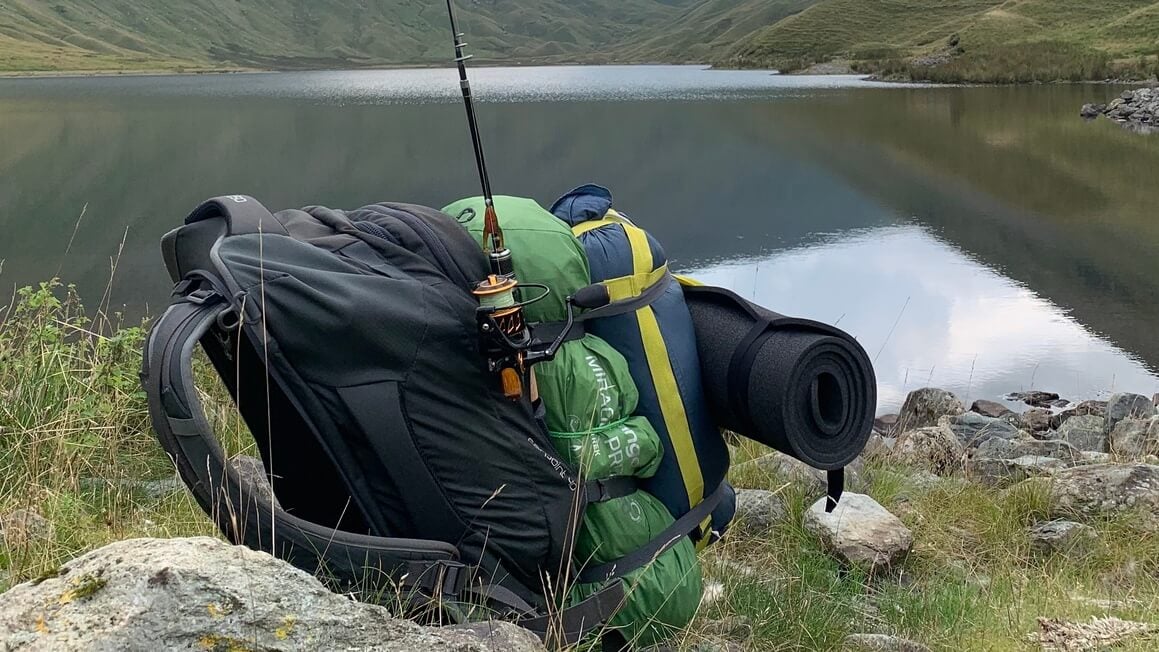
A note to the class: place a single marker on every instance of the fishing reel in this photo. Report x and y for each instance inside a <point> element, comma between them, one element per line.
<point>508,342</point>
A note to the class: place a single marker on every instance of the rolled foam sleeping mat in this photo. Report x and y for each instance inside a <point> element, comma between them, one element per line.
<point>804,388</point>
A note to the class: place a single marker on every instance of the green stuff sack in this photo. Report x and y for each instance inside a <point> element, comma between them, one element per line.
<point>589,398</point>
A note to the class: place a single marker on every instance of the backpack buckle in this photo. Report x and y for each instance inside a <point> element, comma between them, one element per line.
<point>451,577</point>
<point>202,296</point>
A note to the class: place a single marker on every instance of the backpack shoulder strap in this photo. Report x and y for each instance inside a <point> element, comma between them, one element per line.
<point>183,430</point>
<point>243,215</point>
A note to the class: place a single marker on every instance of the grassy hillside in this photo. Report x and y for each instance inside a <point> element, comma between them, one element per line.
<point>939,40</point>
<point>966,39</point>
<point>707,28</point>
<point>136,34</point>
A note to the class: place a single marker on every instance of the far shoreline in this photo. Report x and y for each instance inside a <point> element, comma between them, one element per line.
<point>820,70</point>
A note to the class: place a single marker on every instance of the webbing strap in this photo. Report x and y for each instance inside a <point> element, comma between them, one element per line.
<point>644,555</point>
<point>630,287</point>
<point>572,625</point>
<point>835,489</point>
<point>639,302</point>
<point>611,217</point>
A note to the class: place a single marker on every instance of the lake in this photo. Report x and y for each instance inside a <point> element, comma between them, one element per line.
<point>983,239</point>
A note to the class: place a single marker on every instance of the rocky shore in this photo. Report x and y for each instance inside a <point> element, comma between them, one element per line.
<point>1139,108</point>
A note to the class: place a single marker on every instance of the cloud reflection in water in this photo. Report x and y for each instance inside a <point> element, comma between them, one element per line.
<point>962,326</point>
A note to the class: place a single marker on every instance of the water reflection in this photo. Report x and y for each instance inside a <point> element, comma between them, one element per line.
<point>719,166</point>
<point>930,315</point>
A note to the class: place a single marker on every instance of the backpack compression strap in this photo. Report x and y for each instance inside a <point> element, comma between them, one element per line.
<point>424,570</point>
<point>645,555</point>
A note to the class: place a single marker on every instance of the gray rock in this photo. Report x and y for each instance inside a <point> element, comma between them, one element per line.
<point>1092,110</point>
<point>884,424</point>
<point>990,409</point>
<point>151,489</point>
<point>758,510</point>
<point>923,408</point>
<point>1034,398</point>
<point>878,447</point>
<point>1060,536</point>
<point>1128,96</point>
<point>1155,400</point>
<point>1036,420</point>
<point>1008,449</point>
<point>780,467</point>
<point>1102,490</point>
<point>1092,457</point>
<point>1135,438</point>
<point>24,528</point>
<point>1001,472</point>
<point>880,643</point>
<point>1093,408</point>
<point>253,473</point>
<point>935,449</point>
<point>972,428</point>
<point>710,644</point>
<point>1084,433</point>
<point>1123,406</point>
<point>202,593</point>
<point>860,532</point>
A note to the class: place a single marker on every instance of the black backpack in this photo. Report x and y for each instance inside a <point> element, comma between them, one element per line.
<point>349,343</point>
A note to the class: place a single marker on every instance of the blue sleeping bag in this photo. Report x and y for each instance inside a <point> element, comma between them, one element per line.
<point>659,343</point>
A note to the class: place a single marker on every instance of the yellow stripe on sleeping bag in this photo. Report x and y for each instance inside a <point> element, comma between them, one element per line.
<point>671,405</point>
<point>641,252</point>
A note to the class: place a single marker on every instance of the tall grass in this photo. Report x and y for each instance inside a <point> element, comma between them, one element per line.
<point>79,467</point>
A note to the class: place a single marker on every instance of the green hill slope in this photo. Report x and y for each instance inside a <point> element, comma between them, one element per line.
<point>965,39</point>
<point>134,34</point>
<point>707,28</point>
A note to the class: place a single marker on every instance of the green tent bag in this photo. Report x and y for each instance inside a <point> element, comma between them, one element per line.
<point>589,398</point>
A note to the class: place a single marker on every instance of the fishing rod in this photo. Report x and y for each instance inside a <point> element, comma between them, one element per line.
<point>500,256</point>
<point>507,340</point>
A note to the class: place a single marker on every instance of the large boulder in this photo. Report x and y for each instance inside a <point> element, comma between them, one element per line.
<point>204,594</point>
<point>1084,433</point>
<point>1102,490</point>
<point>923,408</point>
<point>1127,406</point>
<point>972,428</point>
<point>999,472</point>
<point>1086,408</point>
<point>1008,449</point>
<point>860,532</point>
<point>1135,438</point>
<point>935,449</point>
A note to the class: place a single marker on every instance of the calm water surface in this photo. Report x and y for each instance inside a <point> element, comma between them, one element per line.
<point>985,240</point>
